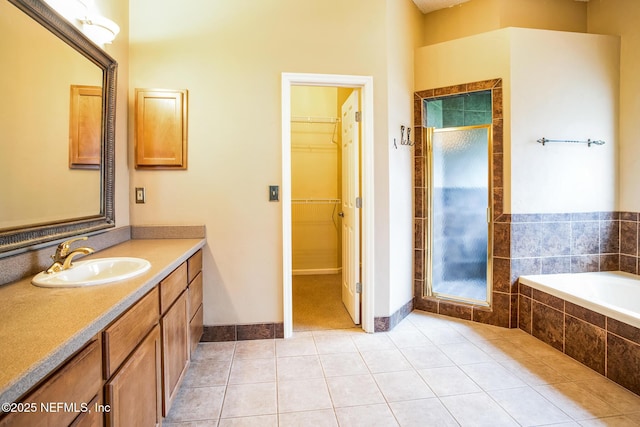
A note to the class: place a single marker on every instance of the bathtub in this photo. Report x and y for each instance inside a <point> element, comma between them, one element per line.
<point>592,317</point>
<point>613,294</point>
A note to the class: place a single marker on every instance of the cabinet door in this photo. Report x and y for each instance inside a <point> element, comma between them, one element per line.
<point>175,349</point>
<point>133,393</point>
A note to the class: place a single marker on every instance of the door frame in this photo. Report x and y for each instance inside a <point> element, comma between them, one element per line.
<point>365,84</point>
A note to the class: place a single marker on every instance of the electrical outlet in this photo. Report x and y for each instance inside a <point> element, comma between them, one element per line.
<point>140,195</point>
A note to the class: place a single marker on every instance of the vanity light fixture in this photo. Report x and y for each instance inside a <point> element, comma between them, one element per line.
<point>99,29</point>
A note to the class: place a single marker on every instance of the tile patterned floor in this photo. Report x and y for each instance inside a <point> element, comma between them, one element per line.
<point>429,371</point>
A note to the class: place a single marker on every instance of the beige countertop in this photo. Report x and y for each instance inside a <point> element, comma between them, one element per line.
<point>41,327</point>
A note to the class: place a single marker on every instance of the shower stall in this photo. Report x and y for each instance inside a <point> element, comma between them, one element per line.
<point>459,198</point>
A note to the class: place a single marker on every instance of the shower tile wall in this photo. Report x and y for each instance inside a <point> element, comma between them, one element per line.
<point>463,110</point>
<point>522,244</point>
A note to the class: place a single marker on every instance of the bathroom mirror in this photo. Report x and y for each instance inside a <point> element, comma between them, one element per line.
<point>43,197</point>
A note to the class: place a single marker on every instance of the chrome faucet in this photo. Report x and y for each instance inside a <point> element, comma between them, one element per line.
<point>63,256</point>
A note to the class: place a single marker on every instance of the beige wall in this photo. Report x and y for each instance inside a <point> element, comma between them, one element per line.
<point>403,36</point>
<point>621,17</point>
<point>569,91</point>
<point>478,16</point>
<point>230,56</point>
<point>563,86</point>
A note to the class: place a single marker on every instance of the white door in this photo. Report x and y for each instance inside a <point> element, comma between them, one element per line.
<point>350,210</point>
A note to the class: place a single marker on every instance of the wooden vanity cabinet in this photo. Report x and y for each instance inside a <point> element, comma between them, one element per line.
<point>132,365</point>
<point>76,384</point>
<point>196,327</point>
<point>175,333</point>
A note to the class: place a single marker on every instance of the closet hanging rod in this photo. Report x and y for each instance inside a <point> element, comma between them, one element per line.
<point>310,119</point>
<point>543,141</point>
<point>316,201</point>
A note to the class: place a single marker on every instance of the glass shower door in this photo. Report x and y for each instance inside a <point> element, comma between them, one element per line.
<point>459,214</point>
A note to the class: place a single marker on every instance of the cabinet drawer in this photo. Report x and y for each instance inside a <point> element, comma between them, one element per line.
<point>125,333</point>
<point>194,265</point>
<point>195,329</point>
<point>172,286</point>
<point>195,295</point>
<point>75,384</point>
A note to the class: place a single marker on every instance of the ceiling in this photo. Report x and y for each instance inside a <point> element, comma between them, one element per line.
<point>427,6</point>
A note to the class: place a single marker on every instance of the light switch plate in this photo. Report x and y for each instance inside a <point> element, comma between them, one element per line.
<point>274,193</point>
<point>140,195</point>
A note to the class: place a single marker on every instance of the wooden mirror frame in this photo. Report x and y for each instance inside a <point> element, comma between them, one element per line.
<point>19,239</point>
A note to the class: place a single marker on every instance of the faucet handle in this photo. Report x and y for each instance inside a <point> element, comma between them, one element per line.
<point>63,248</point>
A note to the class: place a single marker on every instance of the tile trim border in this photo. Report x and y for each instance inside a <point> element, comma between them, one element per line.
<point>243,332</point>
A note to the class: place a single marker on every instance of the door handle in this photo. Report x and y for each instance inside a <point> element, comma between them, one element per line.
<point>341,214</point>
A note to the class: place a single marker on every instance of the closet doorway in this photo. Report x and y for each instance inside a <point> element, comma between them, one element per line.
<point>321,223</point>
<point>326,227</point>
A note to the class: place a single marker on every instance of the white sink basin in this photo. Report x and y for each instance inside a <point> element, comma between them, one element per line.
<point>93,272</point>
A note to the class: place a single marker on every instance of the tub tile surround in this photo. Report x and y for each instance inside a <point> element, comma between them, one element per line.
<point>607,346</point>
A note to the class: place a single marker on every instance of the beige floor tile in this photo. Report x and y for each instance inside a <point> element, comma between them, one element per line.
<point>492,376</point>
<point>421,413</point>
<point>298,368</point>
<point>442,335</point>
<point>569,367</point>
<point>246,371</point>
<point>366,416</point>
<point>336,365</point>
<point>322,418</point>
<point>465,353</point>
<point>533,346</point>
<point>354,390</point>
<point>615,395</point>
<point>386,361</point>
<point>528,407</point>
<point>502,350</point>
<point>410,338</point>
<point>204,373</point>
<point>576,402</point>
<point>426,357</point>
<point>204,423</point>
<point>370,342</point>
<point>620,421</point>
<point>403,385</point>
<point>214,351</point>
<point>477,409</point>
<point>327,344</point>
<point>258,421</point>
<point>303,395</point>
<point>255,349</point>
<point>303,346</point>
<point>448,381</point>
<point>199,403</point>
<point>243,400</point>
<point>534,371</point>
